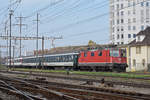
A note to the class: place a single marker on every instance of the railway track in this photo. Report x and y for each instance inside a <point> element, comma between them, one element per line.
<point>130,84</point>
<point>43,90</point>
<point>26,91</point>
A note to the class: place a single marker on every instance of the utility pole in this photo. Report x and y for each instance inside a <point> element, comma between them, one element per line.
<point>6,32</point>
<point>20,29</point>
<point>0,57</point>
<point>10,18</point>
<point>37,35</point>
<point>13,54</point>
<point>42,52</point>
<point>53,39</point>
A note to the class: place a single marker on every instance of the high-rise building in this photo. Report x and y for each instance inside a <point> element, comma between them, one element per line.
<point>127,18</point>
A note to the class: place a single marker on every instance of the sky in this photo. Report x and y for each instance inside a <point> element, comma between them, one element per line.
<point>77,21</point>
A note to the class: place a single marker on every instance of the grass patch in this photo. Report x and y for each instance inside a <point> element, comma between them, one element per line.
<point>3,67</point>
<point>39,70</point>
<point>113,74</point>
<point>107,74</point>
<point>23,76</point>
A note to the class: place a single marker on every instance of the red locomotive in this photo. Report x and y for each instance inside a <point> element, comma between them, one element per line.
<point>103,60</point>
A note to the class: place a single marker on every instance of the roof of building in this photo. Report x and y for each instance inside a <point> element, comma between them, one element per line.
<point>145,41</point>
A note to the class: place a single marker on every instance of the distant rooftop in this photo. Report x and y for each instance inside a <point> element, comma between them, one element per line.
<point>142,38</point>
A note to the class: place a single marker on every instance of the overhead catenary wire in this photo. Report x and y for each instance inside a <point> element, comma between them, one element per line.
<point>68,11</point>
<point>67,8</point>
<point>90,19</point>
<point>72,6</point>
<point>71,10</point>
<point>41,10</point>
<point>79,23</point>
<point>44,8</point>
<point>71,25</point>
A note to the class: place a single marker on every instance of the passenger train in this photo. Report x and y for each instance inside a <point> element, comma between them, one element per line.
<point>112,59</point>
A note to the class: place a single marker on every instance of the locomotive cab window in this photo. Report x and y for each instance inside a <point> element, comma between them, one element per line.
<point>114,53</point>
<point>100,53</point>
<point>92,53</point>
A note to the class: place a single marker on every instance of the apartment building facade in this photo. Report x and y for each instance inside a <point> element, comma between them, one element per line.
<point>127,18</point>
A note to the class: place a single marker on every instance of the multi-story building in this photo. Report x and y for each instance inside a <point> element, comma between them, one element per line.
<point>127,18</point>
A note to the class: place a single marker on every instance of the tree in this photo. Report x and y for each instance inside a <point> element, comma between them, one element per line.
<point>91,43</point>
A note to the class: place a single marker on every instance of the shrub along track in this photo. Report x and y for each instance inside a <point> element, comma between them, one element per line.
<point>131,84</point>
<point>42,90</point>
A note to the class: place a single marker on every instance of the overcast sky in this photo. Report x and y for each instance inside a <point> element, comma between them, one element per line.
<point>78,21</point>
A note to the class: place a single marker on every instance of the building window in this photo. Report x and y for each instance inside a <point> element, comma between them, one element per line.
<point>113,29</point>
<point>117,6</point>
<point>134,35</point>
<point>138,50</point>
<point>92,53</point>
<point>117,13</point>
<point>142,4</point>
<point>122,21</point>
<point>128,4</point>
<point>134,27</point>
<point>143,62</point>
<point>122,36</point>
<point>142,27</point>
<point>134,12</point>
<point>118,36</point>
<point>147,4</point>
<point>142,16</point>
<point>122,42</point>
<point>118,21</point>
<point>128,12</point>
<point>147,15</point>
<point>118,29</point>
<point>129,35</point>
<point>129,20</point>
<point>121,6</point>
<point>129,27</point>
<point>133,3</point>
<point>134,62</point>
<point>113,22</point>
<point>113,37</point>
<point>122,29</point>
<point>122,13</point>
<point>134,20</point>
<point>139,39</point>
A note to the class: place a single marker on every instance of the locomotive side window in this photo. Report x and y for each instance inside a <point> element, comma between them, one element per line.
<point>85,54</point>
<point>100,53</point>
<point>114,53</point>
<point>123,53</point>
<point>92,53</point>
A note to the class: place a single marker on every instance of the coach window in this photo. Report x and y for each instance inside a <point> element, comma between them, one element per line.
<point>92,53</point>
<point>100,53</point>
